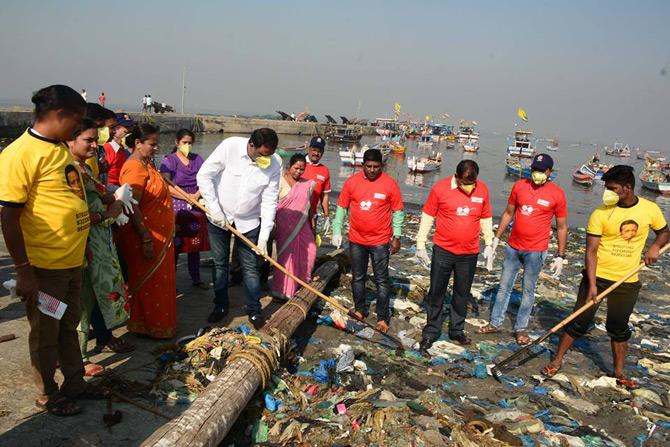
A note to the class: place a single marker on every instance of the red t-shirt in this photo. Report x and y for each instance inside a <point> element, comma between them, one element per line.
<point>116,159</point>
<point>320,174</point>
<point>370,204</point>
<point>457,215</point>
<point>535,207</point>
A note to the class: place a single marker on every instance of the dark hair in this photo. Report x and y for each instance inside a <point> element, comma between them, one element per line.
<point>85,124</point>
<point>373,155</point>
<point>98,113</point>
<point>264,137</point>
<point>621,175</point>
<point>181,133</point>
<point>58,97</point>
<point>628,222</point>
<point>296,158</point>
<point>140,132</point>
<point>467,170</point>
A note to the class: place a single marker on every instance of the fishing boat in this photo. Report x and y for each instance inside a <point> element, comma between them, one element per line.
<point>518,167</point>
<point>467,132</point>
<point>348,134</point>
<point>522,146</point>
<point>387,127</point>
<point>656,176</point>
<point>352,156</point>
<point>426,141</point>
<point>582,178</point>
<point>594,169</point>
<point>398,148</point>
<point>425,164</point>
<point>619,150</point>
<point>289,151</point>
<point>654,155</point>
<point>471,146</point>
<point>552,144</point>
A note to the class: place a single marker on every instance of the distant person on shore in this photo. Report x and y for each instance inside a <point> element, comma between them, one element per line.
<point>115,153</point>
<point>533,203</point>
<point>375,226</point>
<point>181,167</point>
<point>45,223</point>
<point>296,248</point>
<point>83,93</point>
<point>460,206</point>
<point>615,238</point>
<point>240,183</point>
<point>150,103</point>
<point>320,175</point>
<point>102,99</point>
<point>144,103</point>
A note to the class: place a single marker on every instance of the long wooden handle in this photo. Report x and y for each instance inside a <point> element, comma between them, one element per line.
<point>280,267</point>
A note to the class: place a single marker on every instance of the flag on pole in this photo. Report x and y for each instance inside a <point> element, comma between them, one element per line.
<point>522,114</point>
<point>396,109</point>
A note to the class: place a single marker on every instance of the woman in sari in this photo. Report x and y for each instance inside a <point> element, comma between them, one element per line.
<point>102,294</point>
<point>147,243</point>
<point>182,166</point>
<point>296,249</point>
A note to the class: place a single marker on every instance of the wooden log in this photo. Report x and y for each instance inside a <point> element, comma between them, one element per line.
<point>209,418</point>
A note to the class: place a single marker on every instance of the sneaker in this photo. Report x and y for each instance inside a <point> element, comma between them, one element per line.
<point>217,315</point>
<point>257,321</point>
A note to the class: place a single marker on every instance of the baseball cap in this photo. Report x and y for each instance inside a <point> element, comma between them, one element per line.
<point>123,119</point>
<point>318,143</point>
<point>542,162</point>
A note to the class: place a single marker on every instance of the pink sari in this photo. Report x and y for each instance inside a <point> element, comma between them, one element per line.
<point>296,249</point>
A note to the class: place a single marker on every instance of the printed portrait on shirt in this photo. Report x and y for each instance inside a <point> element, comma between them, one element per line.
<point>74,181</point>
<point>628,229</point>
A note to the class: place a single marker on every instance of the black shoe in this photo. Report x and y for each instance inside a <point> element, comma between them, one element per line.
<point>257,321</point>
<point>217,315</point>
<point>424,346</point>
<point>461,339</point>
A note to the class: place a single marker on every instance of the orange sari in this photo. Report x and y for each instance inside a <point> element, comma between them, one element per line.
<point>153,306</point>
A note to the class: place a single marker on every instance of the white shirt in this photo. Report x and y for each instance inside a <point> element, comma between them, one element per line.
<point>232,183</point>
<point>149,100</point>
<point>83,95</point>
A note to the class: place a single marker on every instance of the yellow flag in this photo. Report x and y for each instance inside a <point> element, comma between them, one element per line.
<point>427,118</point>
<point>522,114</point>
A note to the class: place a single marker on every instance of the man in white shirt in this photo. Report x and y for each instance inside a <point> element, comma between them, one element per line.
<point>240,184</point>
<point>149,103</point>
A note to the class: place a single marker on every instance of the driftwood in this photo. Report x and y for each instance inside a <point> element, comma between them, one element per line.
<point>209,418</point>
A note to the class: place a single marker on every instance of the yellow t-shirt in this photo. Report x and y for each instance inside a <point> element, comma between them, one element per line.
<point>40,176</point>
<point>623,234</point>
<point>93,164</point>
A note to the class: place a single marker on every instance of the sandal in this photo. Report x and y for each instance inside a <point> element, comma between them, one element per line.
<point>60,406</point>
<point>627,383</point>
<point>93,370</point>
<point>118,346</point>
<point>357,314</point>
<point>382,326</point>
<point>522,339</point>
<point>488,329</point>
<point>550,371</point>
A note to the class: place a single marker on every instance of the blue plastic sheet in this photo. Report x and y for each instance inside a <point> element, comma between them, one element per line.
<point>271,403</point>
<point>323,372</point>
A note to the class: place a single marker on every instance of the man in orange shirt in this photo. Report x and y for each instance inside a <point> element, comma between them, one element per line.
<point>114,151</point>
<point>320,175</point>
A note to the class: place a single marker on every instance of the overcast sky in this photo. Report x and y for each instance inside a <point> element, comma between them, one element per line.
<point>587,70</point>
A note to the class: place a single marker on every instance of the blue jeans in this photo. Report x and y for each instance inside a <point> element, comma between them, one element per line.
<point>360,254</point>
<point>532,265</point>
<point>219,241</point>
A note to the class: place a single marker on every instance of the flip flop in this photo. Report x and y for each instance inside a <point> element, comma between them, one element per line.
<point>549,371</point>
<point>488,329</point>
<point>60,406</point>
<point>94,370</point>
<point>627,383</point>
<point>357,314</point>
<point>118,346</point>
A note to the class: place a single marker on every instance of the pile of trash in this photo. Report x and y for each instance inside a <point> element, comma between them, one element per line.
<point>346,385</point>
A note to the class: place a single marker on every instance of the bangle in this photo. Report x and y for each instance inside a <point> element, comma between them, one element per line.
<point>146,241</point>
<point>23,264</point>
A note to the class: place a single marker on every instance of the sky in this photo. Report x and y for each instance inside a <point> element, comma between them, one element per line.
<point>583,70</point>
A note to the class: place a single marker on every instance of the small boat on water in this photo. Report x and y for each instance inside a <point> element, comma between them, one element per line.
<point>654,155</point>
<point>425,164</point>
<point>656,176</point>
<point>348,134</point>
<point>583,179</point>
<point>397,148</point>
<point>619,150</point>
<point>518,167</point>
<point>522,146</point>
<point>467,132</point>
<point>426,141</point>
<point>289,151</point>
<point>471,146</point>
<point>552,144</point>
<point>354,156</point>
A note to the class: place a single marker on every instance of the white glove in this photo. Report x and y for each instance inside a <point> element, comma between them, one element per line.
<point>122,219</point>
<point>218,219</point>
<point>490,250</point>
<point>556,267</point>
<point>336,240</point>
<point>422,256</point>
<point>326,226</point>
<point>125,194</point>
<point>262,247</point>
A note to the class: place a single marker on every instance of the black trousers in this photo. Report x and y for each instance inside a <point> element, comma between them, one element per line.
<point>360,255</point>
<point>443,264</point>
<point>620,304</point>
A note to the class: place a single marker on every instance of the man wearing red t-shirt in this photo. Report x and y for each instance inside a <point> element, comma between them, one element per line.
<point>461,207</point>
<point>375,225</point>
<point>320,175</point>
<point>533,204</point>
<point>115,153</point>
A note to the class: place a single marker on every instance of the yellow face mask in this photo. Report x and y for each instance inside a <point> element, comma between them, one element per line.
<point>185,149</point>
<point>103,135</point>
<point>538,177</point>
<point>610,197</point>
<point>263,161</point>
<point>467,188</point>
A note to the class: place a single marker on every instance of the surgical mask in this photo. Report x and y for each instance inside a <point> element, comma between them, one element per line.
<point>263,161</point>
<point>610,197</point>
<point>185,149</point>
<point>467,188</point>
<point>539,177</point>
<point>103,135</point>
